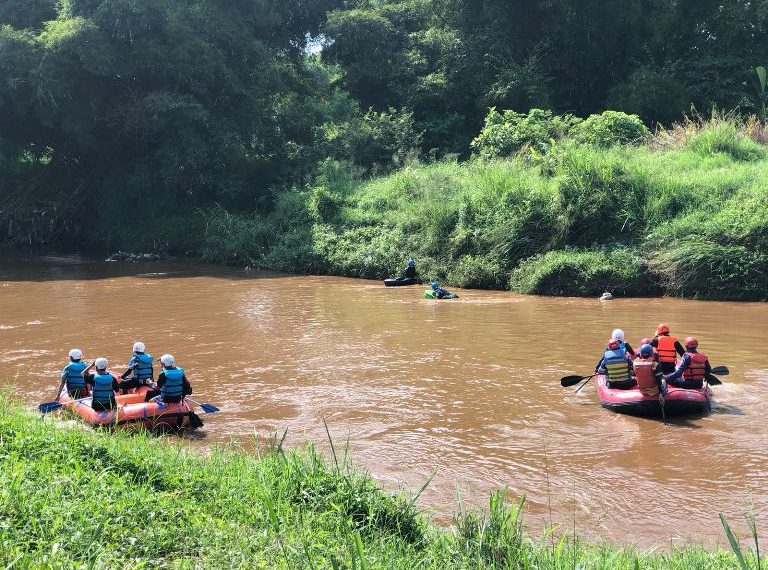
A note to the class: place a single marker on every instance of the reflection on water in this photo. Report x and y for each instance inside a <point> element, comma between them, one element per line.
<point>466,387</point>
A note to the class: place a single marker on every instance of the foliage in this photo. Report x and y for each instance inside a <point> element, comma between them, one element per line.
<point>508,132</point>
<point>583,273</point>
<point>611,127</point>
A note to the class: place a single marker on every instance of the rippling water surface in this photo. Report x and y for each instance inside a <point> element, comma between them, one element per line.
<point>468,388</point>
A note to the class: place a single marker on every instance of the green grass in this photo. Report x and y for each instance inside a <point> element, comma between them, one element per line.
<point>74,498</point>
<point>685,213</point>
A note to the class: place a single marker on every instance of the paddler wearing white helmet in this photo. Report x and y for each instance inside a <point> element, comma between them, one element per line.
<point>172,383</point>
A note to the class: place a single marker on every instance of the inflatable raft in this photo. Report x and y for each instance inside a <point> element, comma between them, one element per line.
<point>400,282</point>
<point>132,410</point>
<point>677,401</point>
<point>430,294</point>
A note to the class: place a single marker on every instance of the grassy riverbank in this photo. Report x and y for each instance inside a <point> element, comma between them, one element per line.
<point>72,498</point>
<point>683,215</point>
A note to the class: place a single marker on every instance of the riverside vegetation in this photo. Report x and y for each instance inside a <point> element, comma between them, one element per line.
<point>77,498</point>
<point>552,205</point>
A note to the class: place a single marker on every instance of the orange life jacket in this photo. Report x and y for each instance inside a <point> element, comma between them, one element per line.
<point>645,370</point>
<point>666,348</point>
<point>697,367</point>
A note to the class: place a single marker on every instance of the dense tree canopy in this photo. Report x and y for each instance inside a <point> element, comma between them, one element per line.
<point>139,106</point>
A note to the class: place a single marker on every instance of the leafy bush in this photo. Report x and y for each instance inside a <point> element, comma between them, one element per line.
<point>583,273</point>
<point>609,128</point>
<point>506,133</point>
<point>479,272</point>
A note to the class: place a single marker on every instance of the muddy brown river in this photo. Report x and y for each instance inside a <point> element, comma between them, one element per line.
<point>468,389</point>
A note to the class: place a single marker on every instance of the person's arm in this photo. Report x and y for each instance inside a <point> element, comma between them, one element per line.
<point>629,348</point>
<point>88,377</point>
<point>599,368</point>
<point>132,363</point>
<point>115,384</point>
<point>187,387</point>
<point>655,342</point>
<point>679,348</point>
<point>61,384</point>
<point>161,380</point>
<point>680,369</point>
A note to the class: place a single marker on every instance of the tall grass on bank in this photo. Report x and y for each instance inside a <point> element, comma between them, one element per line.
<point>75,498</point>
<point>683,215</point>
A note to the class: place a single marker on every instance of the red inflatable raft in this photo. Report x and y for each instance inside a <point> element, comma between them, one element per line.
<point>132,410</point>
<point>677,401</point>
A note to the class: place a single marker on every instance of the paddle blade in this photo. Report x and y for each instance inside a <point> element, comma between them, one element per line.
<point>209,408</point>
<point>567,381</point>
<point>721,370</point>
<point>713,380</point>
<point>195,421</point>
<point>49,407</point>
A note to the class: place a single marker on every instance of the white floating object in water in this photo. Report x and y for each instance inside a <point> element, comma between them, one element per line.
<point>606,296</point>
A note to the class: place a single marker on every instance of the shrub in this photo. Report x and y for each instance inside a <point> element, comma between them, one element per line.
<point>506,133</point>
<point>610,128</point>
<point>724,137</point>
<point>583,273</point>
<point>478,272</point>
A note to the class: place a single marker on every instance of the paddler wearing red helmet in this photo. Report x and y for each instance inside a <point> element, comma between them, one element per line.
<point>616,365</point>
<point>668,347</point>
<point>693,369</point>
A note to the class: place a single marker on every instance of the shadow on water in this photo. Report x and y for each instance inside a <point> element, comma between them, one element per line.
<point>727,410</point>
<point>34,268</point>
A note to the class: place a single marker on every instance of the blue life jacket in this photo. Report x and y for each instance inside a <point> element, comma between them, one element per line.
<point>73,375</point>
<point>143,370</point>
<point>102,387</point>
<point>174,383</point>
<point>616,365</point>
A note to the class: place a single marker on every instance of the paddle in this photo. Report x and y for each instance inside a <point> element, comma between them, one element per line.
<point>585,383</point>
<point>207,408</point>
<point>52,406</point>
<point>713,380</point>
<point>567,381</point>
<point>721,370</point>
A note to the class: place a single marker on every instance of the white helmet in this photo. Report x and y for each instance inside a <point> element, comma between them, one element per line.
<point>101,363</point>
<point>75,354</point>
<point>167,359</point>
<point>618,334</point>
<point>138,346</point>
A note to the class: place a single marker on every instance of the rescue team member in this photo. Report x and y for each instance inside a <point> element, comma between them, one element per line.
<point>668,347</point>
<point>647,340</point>
<point>647,371</point>
<point>103,385</point>
<point>141,366</point>
<point>410,271</point>
<point>72,376</point>
<point>618,334</point>
<point>171,382</point>
<point>616,365</point>
<point>439,291</point>
<point>693,368</point>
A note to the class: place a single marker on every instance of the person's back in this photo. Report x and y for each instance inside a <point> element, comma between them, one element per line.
<point>72,375</point>
<point>616,366</point>
<point>103,386</point>
<point>647,372</point>
<point>172,382</point>
<point>693,368</point>
<point>668,348</point>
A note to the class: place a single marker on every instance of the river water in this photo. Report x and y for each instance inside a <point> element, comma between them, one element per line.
<point>467,389</point>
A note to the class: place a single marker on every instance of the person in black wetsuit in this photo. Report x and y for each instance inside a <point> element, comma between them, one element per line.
<point>410,271</point>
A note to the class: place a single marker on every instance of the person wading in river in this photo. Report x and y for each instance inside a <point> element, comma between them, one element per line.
<point>171,382</point>
<point>668,348</point>
<point>72,376</point>
<point>616,366</point>
<point>103,385</point>
<point>647,371</point>
<point>140,365</point>
<point>693,368</point>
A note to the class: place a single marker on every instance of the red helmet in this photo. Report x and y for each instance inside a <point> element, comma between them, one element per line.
<point>691,342</point>
<point>662,328</point>
<point>646,340</point>
<point>614,343</point>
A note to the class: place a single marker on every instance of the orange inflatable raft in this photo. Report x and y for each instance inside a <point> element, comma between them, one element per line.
<point>132,410</point>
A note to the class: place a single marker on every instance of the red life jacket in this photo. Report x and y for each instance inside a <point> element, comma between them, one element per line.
<point>696,367</point>
<point>645,375</point>
<point>666,348</point>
